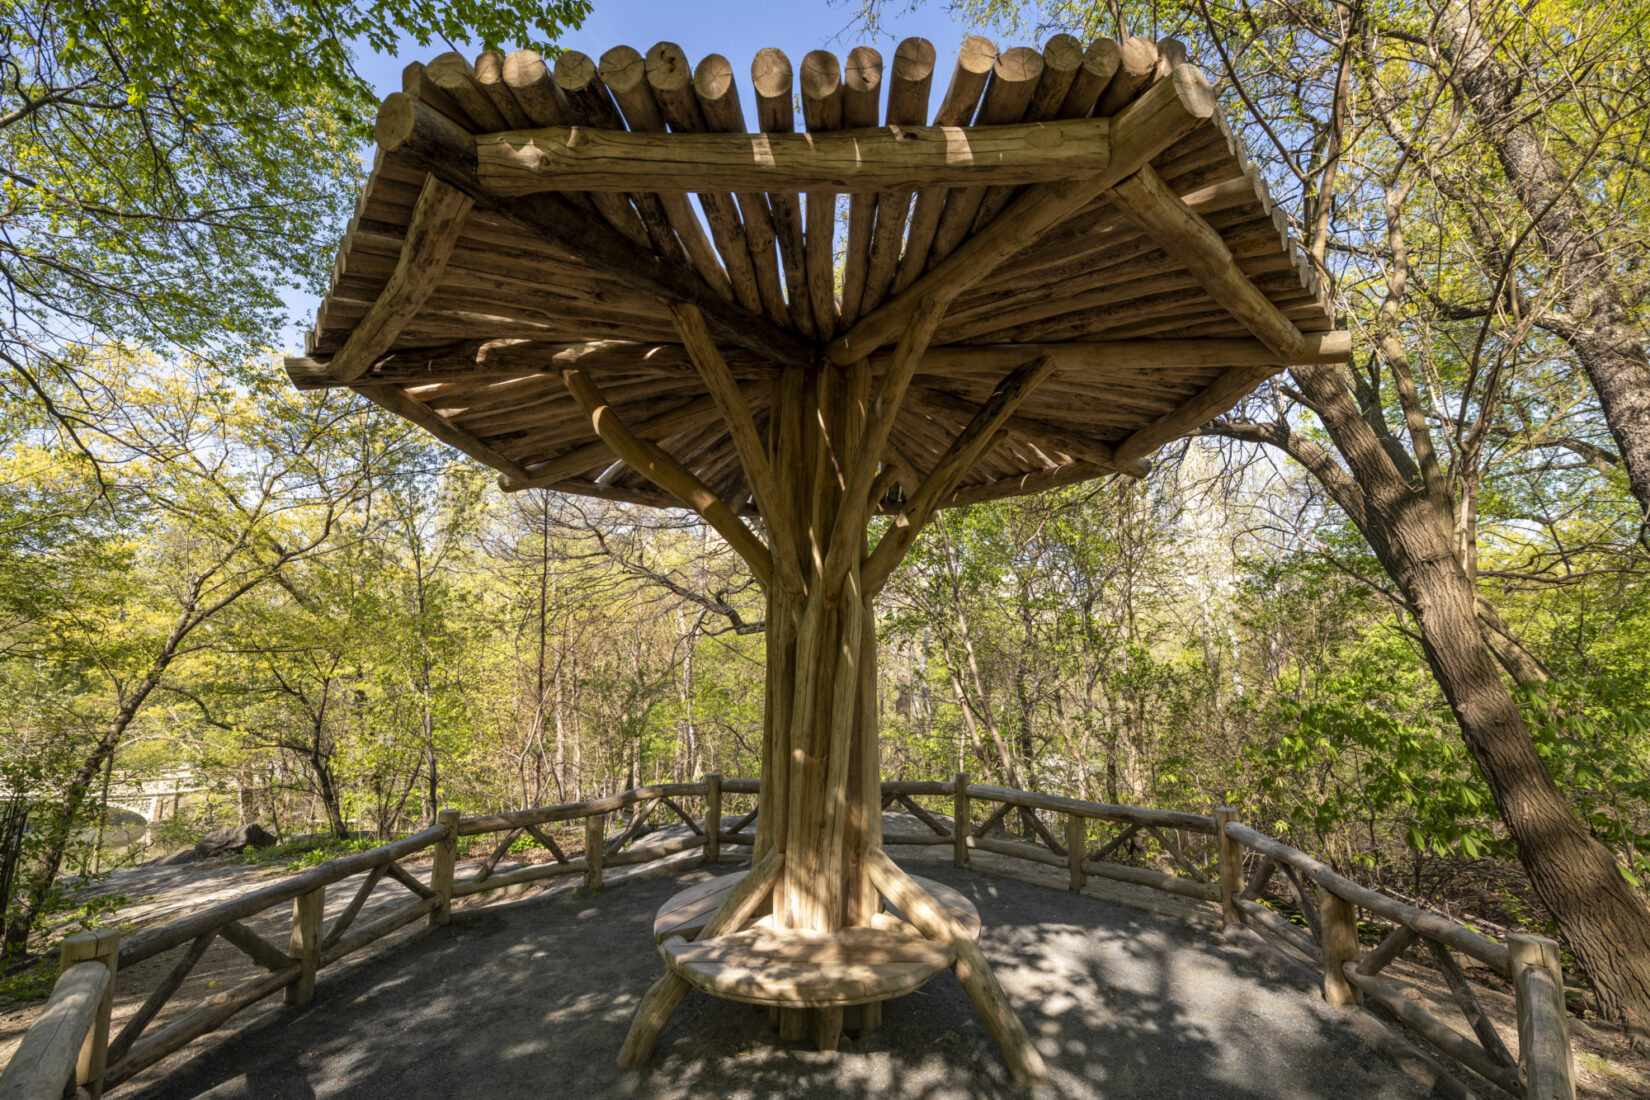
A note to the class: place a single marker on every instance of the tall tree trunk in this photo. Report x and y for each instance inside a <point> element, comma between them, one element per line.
<point>1599,325</point>
<point>1601,916</point>
<point>326,789</point>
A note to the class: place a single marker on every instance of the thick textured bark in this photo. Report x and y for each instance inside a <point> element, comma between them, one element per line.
<point>1599,326</point>
<point>1601,916</point>
<point>327,791</point>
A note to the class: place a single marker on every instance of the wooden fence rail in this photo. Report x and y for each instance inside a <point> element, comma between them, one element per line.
<point>1190,855</point>
<point>1328,904</point>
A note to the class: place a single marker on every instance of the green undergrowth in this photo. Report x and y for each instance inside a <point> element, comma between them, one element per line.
<point>299,855</point>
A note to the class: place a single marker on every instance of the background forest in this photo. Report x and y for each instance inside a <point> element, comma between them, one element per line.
<point>342,626</point>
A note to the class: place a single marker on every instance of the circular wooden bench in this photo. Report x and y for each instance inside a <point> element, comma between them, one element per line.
<point>781,968</point>
<point>789,969</point>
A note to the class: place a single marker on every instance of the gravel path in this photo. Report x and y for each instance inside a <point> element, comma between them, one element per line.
<point>532,998</point>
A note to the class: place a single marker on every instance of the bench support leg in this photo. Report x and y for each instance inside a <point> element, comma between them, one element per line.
<point>858,1019</point>
<point>658,1005</point>
<point>829,1027</point>
<point>793,1024</point>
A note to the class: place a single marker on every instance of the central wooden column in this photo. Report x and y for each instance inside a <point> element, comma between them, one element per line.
<point>819,863</point>
<point>821,793</point>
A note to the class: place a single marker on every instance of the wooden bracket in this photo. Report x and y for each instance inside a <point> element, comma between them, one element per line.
<point>982,431</point>
<point>652,462</point>
<point>747,442</point>
<point>432,234</point>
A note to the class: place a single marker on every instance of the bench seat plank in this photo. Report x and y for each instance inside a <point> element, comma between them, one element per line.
<point>788,969</point>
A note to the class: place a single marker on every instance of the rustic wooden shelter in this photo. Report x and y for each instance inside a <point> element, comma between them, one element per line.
<point>1067,264</point>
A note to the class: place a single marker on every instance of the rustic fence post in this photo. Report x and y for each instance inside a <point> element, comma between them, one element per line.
<point>441,875</point>
<point>1338,919</point>
<point>959,819</point>
<point>713,816</point>
<point>594,827</point>
<point>305,944</point>
<point>1077,846</point>
<point>1229,855</point>
<point>89,947</point>
<point>1543,1039</point>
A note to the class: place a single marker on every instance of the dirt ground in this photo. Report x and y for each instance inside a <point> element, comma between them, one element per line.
<point>1128,992</point>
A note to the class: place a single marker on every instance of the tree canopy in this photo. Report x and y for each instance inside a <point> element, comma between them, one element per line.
<point>167,173</point>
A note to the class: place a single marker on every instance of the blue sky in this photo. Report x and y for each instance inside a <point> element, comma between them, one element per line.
<point>734,28</point>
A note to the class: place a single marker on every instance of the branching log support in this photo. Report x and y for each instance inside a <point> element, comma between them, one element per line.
<point>432,234</point>
<point>669,475</point>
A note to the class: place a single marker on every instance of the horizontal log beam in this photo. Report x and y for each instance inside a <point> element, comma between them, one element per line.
<point>417,135</point>
<point>481,360</point>
<point>571,811</point>
<point>1061,804</point>
<point>1430,925</point>
<point>1209,352</point>
<point>152,941</point>
<point>583,158</point>
<point>46,1057</point>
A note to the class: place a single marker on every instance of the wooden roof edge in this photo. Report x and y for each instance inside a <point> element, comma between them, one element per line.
<point>482,359</point>
<point>1309,277</point>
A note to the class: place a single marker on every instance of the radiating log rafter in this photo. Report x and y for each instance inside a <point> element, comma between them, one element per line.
<point>1165,114</point>
<point>668,474</point>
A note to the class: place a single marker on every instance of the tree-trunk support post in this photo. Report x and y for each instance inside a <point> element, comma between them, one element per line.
<point>441,876</point>
<point>305,944</point>
<point>959,819</point>
<point>594,826</point>
<point>94,947</point>
<point>1077,846</point>
<point>1229,854</point>
<point>1543,1039</point>
<point>1338,919</point>
<point>713,817</point>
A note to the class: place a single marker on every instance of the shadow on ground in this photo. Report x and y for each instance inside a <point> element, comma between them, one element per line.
<point>532,999</point>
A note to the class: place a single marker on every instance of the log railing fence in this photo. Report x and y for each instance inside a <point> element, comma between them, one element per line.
<point>69,1050</point>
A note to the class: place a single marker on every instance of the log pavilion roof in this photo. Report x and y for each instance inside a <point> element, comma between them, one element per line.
<point>1083,213</point>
